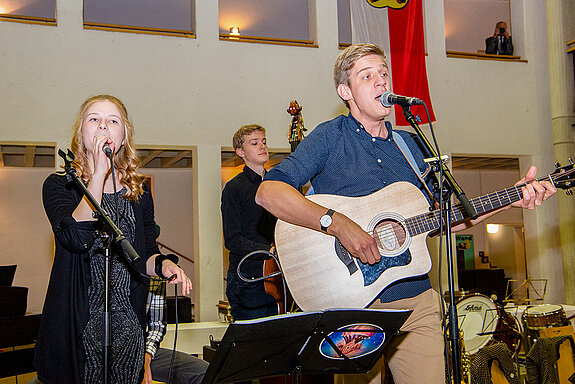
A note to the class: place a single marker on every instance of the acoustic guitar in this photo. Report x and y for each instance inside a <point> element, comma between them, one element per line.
<point>320,272</point>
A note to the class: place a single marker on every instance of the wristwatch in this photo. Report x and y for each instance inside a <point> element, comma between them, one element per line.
<point>326,220</point>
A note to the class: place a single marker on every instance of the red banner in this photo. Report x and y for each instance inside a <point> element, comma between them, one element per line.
<point>407,56</point>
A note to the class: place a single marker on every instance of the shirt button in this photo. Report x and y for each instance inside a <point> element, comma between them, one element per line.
<point>357,130</point>
<point>373,139</point>
<point>379,160</point>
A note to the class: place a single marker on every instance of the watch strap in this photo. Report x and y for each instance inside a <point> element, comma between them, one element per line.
<point>329,213</point>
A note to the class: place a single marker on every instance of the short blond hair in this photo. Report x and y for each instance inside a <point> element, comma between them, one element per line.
<point>243,131</point>
<point>347,59</point>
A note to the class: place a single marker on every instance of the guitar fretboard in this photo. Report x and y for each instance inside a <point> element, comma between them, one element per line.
<point>431,221</point>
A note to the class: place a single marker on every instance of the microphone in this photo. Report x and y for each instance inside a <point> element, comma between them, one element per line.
<point>388,99</point>
<point>107,150</point>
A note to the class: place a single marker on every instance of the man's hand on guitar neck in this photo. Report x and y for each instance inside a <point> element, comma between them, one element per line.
<point>357,242</point>
<point>534,192</point>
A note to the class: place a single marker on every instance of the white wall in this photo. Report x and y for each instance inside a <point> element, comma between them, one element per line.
<point>26,238</point>
<point>197,92</point>
<point>174,209</point>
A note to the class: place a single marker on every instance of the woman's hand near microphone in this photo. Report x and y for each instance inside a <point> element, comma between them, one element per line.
<point>100,169</point>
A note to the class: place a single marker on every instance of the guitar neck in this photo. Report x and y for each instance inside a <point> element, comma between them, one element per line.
<point>431,221</point>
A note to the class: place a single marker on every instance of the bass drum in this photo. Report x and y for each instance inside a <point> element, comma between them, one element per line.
<point>483,322</point>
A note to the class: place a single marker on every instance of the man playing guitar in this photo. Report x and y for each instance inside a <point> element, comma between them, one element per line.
<point>357,155</point>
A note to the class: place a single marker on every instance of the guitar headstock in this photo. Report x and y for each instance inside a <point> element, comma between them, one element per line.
<point>562,177</point>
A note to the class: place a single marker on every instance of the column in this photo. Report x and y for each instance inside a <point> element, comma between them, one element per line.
<point>208,243</point>
<point>562,106</point>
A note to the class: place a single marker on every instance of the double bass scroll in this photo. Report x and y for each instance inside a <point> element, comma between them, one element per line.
<point>275,285</point>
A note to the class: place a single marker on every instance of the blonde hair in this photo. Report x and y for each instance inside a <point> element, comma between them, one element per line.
<point>347,59</point>
<point>126,160</point>
<point>238,140</point>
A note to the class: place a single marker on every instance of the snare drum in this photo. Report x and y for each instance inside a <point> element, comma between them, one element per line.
<point>540,317</point>
<point>482,322</point>
<point>544,316</point>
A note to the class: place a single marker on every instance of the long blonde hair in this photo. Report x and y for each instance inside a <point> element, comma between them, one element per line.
<point>126,160</point>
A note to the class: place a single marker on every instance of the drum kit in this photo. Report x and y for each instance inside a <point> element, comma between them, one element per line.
<point>483,322</point>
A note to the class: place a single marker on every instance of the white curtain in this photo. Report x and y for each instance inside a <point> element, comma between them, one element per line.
<point>370,25</point>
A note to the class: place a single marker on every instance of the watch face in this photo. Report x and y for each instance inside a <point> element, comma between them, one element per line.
<point>325,221</point>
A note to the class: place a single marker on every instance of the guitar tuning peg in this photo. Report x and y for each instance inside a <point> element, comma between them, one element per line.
<point>571,161</point>
<point>569,192</point>
<point>557,164</point>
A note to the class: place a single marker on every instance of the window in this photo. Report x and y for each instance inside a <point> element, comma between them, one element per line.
<point>271,21</point>
<point>29,11</point>
<point>468,23</point>
<point>343,23</point>
<point>174,17</point>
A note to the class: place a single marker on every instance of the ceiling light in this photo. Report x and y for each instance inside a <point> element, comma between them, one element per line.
<point>492,228</point>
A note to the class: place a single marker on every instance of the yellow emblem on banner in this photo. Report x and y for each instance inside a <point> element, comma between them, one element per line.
<point>395,4</point>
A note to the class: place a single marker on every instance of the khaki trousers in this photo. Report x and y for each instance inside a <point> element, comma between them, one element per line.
<point>416,355</point>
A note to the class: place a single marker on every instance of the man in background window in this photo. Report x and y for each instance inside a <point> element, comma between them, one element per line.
<point>500,43</point>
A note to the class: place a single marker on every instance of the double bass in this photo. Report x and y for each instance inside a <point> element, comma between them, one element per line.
<point>275,284</point>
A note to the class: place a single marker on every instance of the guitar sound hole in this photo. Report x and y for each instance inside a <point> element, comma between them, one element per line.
<point>389,235</point>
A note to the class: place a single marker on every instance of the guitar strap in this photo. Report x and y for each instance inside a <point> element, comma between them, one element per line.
<point>411,160</point>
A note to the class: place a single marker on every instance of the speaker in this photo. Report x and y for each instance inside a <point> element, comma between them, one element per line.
<point>184,309</point>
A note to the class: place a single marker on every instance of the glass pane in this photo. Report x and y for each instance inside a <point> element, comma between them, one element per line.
<point>343,23</point>
<point>43,9</point>
<point>468,23</point>
<point>275,19</point>
<point>152,14</point>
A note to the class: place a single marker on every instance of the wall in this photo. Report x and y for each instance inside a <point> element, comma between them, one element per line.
<point>26,238</point>
<point>174,208</point>
<point>197,92</point>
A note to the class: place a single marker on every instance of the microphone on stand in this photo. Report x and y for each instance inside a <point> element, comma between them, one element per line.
<point>388,99</point>
<point>107,150</point>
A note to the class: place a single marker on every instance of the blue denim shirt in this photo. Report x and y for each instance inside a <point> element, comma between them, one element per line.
<point>339,157</point>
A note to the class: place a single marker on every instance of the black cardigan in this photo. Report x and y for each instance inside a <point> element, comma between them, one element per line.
<point>59,355</point>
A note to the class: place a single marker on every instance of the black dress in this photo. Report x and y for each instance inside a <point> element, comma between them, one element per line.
<point>62,352</point>
<point>127,351</point>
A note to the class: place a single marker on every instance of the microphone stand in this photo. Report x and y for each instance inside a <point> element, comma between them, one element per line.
<point>119,238</point>
<point>452,187</point>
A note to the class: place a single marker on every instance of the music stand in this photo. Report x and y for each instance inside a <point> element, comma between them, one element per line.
<point>332,341</point>
<point>7,273</point>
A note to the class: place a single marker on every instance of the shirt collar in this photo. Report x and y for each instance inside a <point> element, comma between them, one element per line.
<point>360,128</point>
<point>252,175</point>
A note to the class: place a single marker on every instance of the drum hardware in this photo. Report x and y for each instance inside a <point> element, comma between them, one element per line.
<point>225,311</point>
<point>465,364</point>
